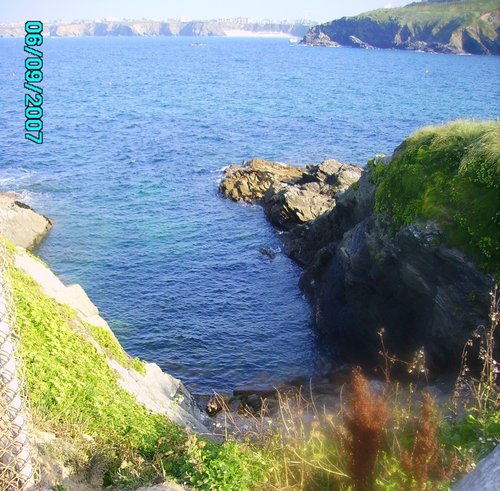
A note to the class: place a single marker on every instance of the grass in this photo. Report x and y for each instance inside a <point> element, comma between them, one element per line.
<point>428,12</point>
<point>450,174</point>
<point>435,17</point>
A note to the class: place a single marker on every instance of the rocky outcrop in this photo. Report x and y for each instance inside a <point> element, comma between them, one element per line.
<point>457,27</point>
<point>359,275</point>
<point>20,224</point>
<point>250,181</point>
<point>290,195</point>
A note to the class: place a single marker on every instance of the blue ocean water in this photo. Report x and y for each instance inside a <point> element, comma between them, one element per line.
<point>136,133</point>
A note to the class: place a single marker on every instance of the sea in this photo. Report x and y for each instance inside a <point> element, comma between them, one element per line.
<point>137,132</point>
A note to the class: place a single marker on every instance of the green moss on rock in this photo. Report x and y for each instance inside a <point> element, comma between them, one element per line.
<point>450,174</point>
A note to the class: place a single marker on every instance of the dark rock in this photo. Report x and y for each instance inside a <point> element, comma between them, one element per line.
<point>268,252</point>
<point>234,404</point>
<point>360,274</point>
<point>361,278</point>
<point>254,402</point>
<point>326,388</point>
<point>299,382</point>
<point>340,375</point>
<point>270,407</point>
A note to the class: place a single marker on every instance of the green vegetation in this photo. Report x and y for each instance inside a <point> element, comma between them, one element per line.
<point>74,392</point>
<point>450,174</point>
<point>419,14</point>
<point>113,348</point>
<point>408,442</point>
<point>233,466</point>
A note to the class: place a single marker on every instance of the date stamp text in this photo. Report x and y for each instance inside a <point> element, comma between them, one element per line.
<point>33,76</point>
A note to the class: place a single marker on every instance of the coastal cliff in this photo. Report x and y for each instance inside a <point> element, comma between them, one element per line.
<point>411,247</point>
<point>405,240</point>
<point>458,27</point>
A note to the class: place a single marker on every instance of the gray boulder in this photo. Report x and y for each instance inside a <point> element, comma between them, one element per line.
<point>485,477</point>
<point>20,224</point>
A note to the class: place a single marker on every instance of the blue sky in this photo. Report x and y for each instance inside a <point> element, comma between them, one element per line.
<point>320,10</point>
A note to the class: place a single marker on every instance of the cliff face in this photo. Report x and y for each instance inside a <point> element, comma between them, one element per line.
<point>454,27</point>
<point>361,278</point>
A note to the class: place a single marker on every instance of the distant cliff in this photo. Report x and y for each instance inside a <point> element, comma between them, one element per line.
<point>168,28</point>
<point>461,27</point>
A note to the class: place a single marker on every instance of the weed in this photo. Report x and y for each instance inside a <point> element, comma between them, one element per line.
<point>365,418</point>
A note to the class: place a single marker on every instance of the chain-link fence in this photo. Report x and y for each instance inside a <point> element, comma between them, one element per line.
<point>16,466</point>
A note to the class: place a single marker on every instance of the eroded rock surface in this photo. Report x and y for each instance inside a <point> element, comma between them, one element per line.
<point>421,26</point>
<point>361,277</point>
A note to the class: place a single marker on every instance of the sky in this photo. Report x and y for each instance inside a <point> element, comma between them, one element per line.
<point>68,10</point>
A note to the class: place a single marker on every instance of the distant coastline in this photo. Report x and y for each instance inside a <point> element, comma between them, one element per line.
<point>218,28</point>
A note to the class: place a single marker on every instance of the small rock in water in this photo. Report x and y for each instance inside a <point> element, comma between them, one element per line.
<point>270,407</point>
<point>234,404</point>
<point>263,392</point>
<point>268,252</point>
